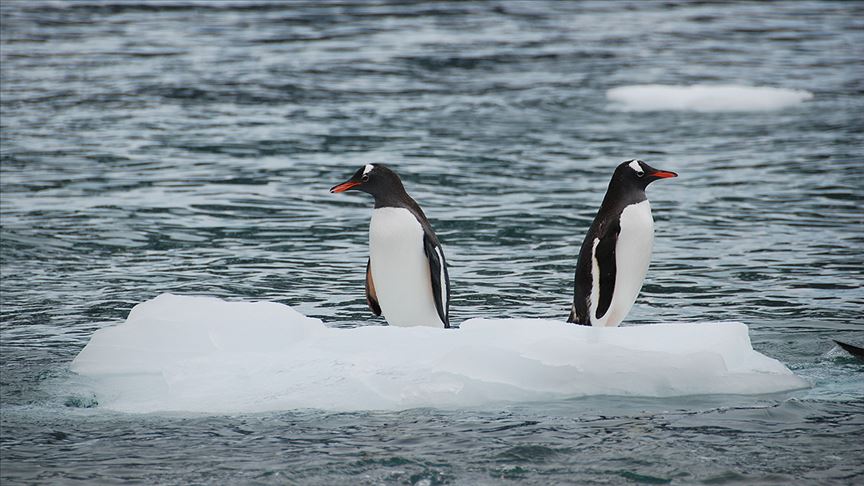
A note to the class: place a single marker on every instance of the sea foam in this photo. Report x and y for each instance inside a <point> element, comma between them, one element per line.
<point>704,98</point>
<point>202,354</point>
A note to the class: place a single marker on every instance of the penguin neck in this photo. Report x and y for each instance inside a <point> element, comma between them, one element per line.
<point>394,199</point>
<point>619,196</point>
<point>401,199</point>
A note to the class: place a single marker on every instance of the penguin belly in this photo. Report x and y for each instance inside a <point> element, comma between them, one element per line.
<point>632,258</point>
<point>400,269</point>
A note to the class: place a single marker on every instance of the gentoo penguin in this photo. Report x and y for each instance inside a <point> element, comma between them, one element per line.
<point>616,251</point>
<point>406,274</point>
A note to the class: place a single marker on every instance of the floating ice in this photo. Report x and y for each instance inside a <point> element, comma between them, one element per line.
<point>203,354</point>
<point>704,98</point>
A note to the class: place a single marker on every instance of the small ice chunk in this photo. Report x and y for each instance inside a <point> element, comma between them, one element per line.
<point>704,98</point>
<point>202,354</point>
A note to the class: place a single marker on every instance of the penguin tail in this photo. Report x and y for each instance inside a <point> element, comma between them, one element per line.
<point>574,319</point>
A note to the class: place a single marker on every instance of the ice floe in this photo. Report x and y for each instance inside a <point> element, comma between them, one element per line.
<point>704,98</point>
<point>202,354</point>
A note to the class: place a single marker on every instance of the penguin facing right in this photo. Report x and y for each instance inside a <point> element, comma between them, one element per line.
<point>616,252</point>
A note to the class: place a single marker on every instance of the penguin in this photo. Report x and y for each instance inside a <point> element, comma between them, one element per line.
<point>616,252</point>
<point>406,273</point>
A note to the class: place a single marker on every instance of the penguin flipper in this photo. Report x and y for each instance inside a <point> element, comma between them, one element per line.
<point>440,278</point>
<point>371,297</point>
<point>853,350</point>
<point>604,254</point>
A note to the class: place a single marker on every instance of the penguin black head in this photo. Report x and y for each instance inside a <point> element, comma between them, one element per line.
<point>636,173</point>
<point>374,179</point>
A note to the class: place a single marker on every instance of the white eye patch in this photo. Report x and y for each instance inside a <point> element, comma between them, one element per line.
<point>635,165</point>
<point>368,168</point>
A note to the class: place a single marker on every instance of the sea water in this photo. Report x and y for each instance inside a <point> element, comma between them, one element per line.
<point>188,147</point>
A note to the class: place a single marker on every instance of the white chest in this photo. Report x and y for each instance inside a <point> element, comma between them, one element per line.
<point>632,258</point>
<point>637,229</point>
<point>400,269</point>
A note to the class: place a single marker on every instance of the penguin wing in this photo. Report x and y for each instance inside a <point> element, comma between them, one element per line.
<point>371,297</point>
<point>440,278</point>
<point>853,350</point>
<point>604,255</point>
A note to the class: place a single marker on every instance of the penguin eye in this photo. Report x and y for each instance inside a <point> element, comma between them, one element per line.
<point>640,173</point>
<point>365,178</point>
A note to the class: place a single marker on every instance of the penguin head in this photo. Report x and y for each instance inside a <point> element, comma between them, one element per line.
<point>639,174</point>
<point>375,179</point>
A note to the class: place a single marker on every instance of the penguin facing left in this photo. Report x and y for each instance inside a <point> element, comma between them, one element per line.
<point>616,252</point>
<point>406,273</point>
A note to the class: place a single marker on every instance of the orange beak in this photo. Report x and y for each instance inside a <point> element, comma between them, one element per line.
<point>344,186</point>
<point>664,174</point>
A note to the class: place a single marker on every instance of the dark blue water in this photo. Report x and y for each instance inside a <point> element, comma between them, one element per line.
<point>188,147</point>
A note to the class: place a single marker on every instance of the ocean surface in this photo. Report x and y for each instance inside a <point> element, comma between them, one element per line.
<point>188,147</point>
